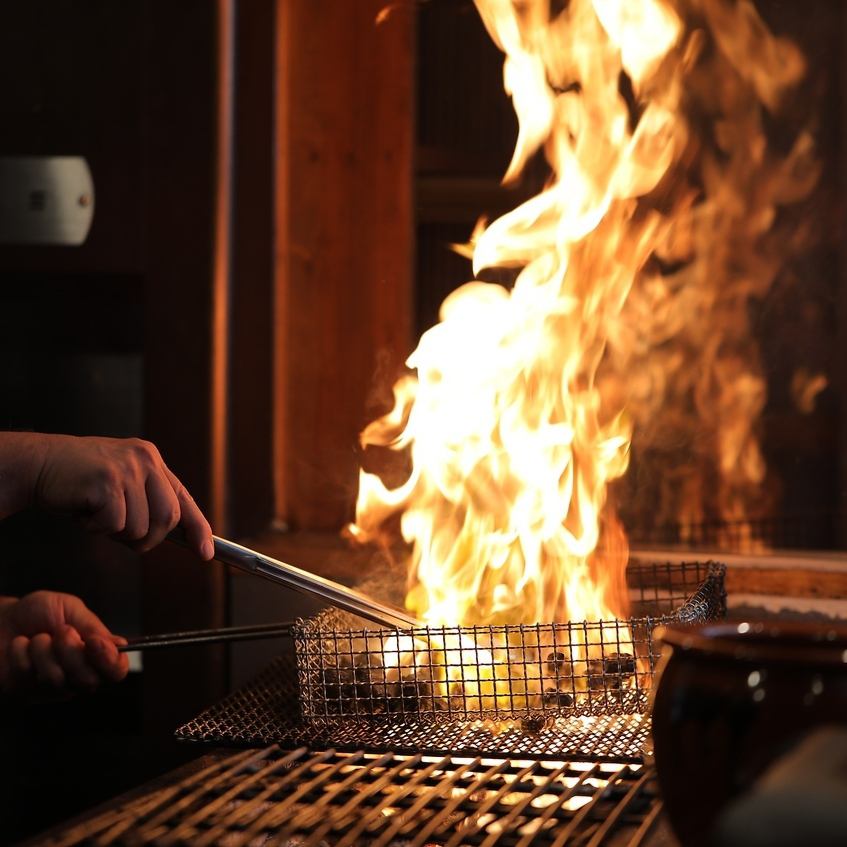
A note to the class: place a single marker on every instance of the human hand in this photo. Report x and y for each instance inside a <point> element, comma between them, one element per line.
<point>120,487</point>
<point>52,645</point>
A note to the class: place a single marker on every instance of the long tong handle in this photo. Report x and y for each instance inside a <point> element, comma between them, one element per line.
<point>290,576</point>
<point>206,636</point>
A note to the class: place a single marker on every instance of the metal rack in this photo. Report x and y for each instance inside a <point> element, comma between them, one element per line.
<point>266,711</point>
<point>534,674</point>
<point>303,797</point>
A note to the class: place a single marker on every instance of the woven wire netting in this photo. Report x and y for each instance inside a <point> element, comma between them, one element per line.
<point>528,673</point>
<point>267,711</point>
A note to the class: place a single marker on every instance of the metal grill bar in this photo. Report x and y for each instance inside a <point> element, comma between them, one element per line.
<point>398,796</point>
<point>119,819</point>
<point>438,820</point>
<point>565,834</point>
<point>310,817</point>
<point>240,787</point>
<point>433,794</point>
<point>246,811</point>
<point>473,823</point>
<point>175,809</point>
<point>278,811</point>
<point>353,800</point>
<point>614,816</point>
<point>551,809</point>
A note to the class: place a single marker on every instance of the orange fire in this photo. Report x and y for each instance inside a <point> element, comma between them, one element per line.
<point>523,403</point>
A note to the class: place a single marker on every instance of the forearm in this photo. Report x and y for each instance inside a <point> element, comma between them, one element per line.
<point>21,459</point>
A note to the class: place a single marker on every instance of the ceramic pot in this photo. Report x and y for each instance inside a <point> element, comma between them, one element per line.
<point>730,698</point>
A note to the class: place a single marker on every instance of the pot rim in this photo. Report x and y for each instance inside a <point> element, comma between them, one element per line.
<point>760,641</point>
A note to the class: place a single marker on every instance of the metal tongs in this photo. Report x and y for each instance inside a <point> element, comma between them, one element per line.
<point>290,576</point>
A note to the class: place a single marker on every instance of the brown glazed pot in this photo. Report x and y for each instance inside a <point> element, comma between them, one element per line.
<point>729,699</point>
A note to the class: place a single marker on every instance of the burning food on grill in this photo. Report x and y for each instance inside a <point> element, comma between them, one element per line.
<point>529,674</point>
<point>465,671</point>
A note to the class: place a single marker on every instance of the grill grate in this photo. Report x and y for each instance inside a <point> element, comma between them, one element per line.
<point>530,673</point>
<point>273,797</point>
<point>265,711</point>
<point>269,709</point>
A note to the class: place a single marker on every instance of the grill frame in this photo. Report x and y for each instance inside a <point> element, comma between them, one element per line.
<point>341,661</point>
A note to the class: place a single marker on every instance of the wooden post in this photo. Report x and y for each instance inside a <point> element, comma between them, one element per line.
<point>344,248</point>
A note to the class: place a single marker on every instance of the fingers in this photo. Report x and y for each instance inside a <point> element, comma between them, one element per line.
<point>108,514</point>
<point>48,672</point>
<point>164,511</point>
<point>198,533</point>
<point>120,487</point>
<point>100,646</point>
<point>20,665</point>
<point>54,646</point>
<point>69,651</point>
<point>57,666</point>
<point>103,655</point>
<point>137,523</point>
<point>151,502</point>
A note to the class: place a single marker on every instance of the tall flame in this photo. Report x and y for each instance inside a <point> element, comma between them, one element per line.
<point>522,409</point>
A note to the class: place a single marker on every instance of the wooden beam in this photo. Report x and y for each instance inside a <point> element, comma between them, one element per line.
<point>344,241</point>
<point>250,431</point>
<point>181,147</point>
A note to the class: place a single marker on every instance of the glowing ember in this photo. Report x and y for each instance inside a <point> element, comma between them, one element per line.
<point>636,265</point>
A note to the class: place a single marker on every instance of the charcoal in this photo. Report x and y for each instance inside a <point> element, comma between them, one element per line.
<point>409,691</point>
<point>619,663</point>
<point>457,703</point>
<point>557,663</point>
<point>596,676</point>
<point>330,676</point>
<point>554,697</point>
<point>367,661</point>
<point>534,724</point>
<point>362,674</point>
<point>332,688</point>
<point>333,695</point>
<point>424,688</point>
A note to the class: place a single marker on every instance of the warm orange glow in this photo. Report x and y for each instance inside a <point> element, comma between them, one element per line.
<point>522,407</point>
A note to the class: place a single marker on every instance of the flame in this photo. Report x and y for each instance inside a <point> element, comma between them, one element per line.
<point>522,407</point>
<point>805,388</point>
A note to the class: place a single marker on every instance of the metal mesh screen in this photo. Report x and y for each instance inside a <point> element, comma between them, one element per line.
<point>266,711</point>
<point>527,673</point>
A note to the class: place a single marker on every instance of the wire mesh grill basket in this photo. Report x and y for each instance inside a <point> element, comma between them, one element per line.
<point>531,673</point>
